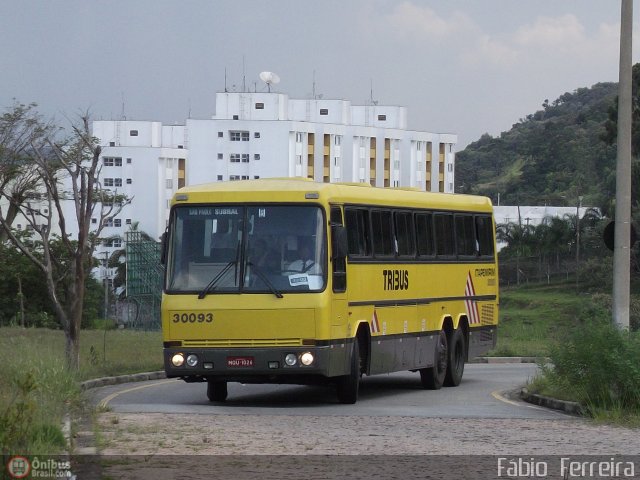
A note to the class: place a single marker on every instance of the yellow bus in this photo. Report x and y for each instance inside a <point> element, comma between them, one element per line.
<point>293,281</point>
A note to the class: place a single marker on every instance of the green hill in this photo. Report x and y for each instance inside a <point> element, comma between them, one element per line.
<point>549,157</point>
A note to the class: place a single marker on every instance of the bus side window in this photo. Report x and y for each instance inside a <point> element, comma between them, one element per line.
<point>358,235</point>
<point>484,235</point>
<point>405,237</point>
<point>445,242</point>
<point>383,244</point>
<point>465,236</point>
<point>424,234</point>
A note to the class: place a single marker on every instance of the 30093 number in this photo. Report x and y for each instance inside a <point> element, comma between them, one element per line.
<point>192,317</point>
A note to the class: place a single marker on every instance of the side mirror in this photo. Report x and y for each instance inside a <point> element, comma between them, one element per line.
<point>338,242</point>
<point>163,248</point>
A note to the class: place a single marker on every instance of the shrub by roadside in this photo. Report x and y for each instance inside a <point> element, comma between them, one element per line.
<point>36,389</point>
<point>598,366</point>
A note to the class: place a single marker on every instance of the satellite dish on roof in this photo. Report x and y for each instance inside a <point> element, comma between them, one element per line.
<point>269,78</point>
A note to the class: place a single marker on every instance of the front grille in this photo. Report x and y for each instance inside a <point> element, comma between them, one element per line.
<point>244,342</point>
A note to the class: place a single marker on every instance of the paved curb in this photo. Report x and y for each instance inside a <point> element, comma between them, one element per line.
<point>508,360</point>
<point>572,408</point>
<point>134,377</point>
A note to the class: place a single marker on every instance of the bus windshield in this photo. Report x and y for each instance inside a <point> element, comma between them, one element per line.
<point>246,249</point>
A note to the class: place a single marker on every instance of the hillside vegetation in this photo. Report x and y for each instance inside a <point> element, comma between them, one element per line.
<point>550,157</point>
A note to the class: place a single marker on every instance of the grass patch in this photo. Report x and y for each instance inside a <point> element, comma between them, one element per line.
<point>534,318</point>
<point>36,390</point>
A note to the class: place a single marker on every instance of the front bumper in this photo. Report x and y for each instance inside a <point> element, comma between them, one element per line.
<point>267,364</point>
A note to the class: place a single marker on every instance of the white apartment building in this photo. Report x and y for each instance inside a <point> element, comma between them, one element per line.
<point>258,135</point>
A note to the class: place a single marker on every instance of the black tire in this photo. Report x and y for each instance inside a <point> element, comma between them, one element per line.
<point>432,378</point>
<point>216,390</point>
<point>455,359</point>
<point>348,386</point>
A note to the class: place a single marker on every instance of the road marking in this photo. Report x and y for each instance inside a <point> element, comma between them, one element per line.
<point>498,396</point>
<point>105,401</point>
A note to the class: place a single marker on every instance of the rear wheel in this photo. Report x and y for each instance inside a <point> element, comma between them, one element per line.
<point>455,360</point>
<point>348,386</point>
<point>433,377</point>
<point>216,390</point>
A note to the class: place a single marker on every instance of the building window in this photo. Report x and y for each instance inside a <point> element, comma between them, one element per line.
<point>133,133</point>
<point>337,140</point>
<point>256,134</point>
<point>299,159</point>
<point>108,222</point>
<point>93,220</point>
<point>256,177</point>
<point>259,106</point>
<point>112,161</point>
<point>235,117</point>
<point>382,118</point>
<point>117,222</point>
<point>219,178</point>
<point>234,177</point>
<point>112,144</point>
<point>108,182</point>
<point>324,111</point>
<point>220,156</point>
<point>169,183</point>
<point>234,158</point>
<point>129,181</point>
<point>245,158</point>
<point>117,182</point>
<point>237,135</point>
<point>128,160</point>
<point>220,134</point>
<point>450,167</point>
<point>128,221</point>
<point>298,137</point>
<point>256,156</point>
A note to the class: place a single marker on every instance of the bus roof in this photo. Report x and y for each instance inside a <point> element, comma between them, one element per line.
<point>305,190</point>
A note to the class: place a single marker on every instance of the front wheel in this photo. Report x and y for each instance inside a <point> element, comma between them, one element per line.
<point>433,377</point>
<point>216,390</point>
<point>455,360</point>
<point>348,386</point>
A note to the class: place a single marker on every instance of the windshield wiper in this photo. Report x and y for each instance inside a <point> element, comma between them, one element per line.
<point>211,286</point>
<point>264,278</point>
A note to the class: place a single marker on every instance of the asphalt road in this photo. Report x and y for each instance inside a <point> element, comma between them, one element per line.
<point>483,393</point>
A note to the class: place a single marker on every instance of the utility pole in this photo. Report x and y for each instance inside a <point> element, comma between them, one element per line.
<point>106,284</point>
<point>578,243</point>
<point>622,235</point>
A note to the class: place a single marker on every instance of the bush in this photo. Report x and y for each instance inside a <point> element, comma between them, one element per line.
<point>598,366</point>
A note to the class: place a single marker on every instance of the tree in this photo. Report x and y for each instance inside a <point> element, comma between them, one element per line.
<point>20,128</point>
<point>65,171</point>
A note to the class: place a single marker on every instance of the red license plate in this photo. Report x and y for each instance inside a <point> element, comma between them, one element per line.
<point>242,362</point>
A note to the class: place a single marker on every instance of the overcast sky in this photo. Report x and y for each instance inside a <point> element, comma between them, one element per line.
<point>459,66</point>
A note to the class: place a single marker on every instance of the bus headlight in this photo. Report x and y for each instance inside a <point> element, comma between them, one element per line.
<point>177,360</point>
<point>192,360</point>
<point>306,358</point>
<point>291,359</point>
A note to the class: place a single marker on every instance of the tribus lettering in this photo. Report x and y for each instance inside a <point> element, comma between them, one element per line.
<point>396,279</point>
